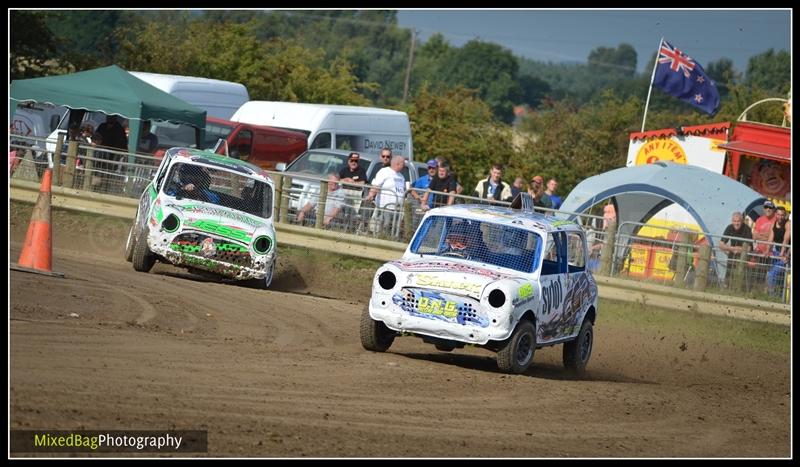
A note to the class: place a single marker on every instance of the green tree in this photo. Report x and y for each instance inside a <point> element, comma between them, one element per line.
<point>32,46</point>
<point>724,75</point>
<point>533,89</point>
<point>273,70</point>
<point>88,38</point>
<point>490,69</point>
<point>455,124</point>
<point>770,71</point>
<point>571,143</point>
<point>620,61</point>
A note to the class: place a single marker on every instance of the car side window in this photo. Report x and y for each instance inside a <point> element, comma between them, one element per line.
<point>555,260</point>
<point>576,252</point>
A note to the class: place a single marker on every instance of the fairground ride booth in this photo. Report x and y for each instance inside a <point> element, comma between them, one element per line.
<point>755,154</point>
<point>760,156</point>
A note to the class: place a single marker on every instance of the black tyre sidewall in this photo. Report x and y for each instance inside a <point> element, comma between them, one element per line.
<point>375,336</point>
<point>507,356</point>
<point>573,349</point>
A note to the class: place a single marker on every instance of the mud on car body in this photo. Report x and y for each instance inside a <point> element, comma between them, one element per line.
<point>504,279</point>
<point>207,213</point>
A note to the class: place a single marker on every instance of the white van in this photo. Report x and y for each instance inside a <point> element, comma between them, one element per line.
<point>36,119</point>
<point>344,127</point>
<point>218,98</point>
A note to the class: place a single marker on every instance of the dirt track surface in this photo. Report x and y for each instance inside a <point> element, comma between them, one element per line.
<point>281,373</point>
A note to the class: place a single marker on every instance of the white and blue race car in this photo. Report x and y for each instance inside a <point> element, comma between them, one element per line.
<point>504,279</point>
<point>207,213</point>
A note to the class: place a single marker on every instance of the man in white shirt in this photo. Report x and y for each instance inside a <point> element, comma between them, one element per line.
<point>388,190</point>
<point>334,202</point>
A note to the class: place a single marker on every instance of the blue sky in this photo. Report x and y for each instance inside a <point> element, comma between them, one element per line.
<point>569,35</point>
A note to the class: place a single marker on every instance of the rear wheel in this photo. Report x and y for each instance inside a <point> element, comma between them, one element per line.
<point>516,352</point>
<point>375,335</point>
<point>578,350</point>
<point>143,258</point>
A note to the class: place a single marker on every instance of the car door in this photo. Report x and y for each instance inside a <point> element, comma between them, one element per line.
<point>553,279</point>
<point>577,291</point>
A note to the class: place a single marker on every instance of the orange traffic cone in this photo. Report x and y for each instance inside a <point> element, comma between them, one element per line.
<point>37,251</point>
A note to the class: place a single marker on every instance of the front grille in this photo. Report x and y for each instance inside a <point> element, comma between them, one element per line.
<point>441,306</point>
<point>203,246</point>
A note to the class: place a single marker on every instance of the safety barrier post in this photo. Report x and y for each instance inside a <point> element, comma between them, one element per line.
<point>408,221</point>
<point>740,268</point>
<point>681,261</point>
<point>69,171</point>
<point>607,252</point>
<point>278,182</point>
<point>284,210</point>
<point>57,159</point>
<point>88,172</point>
<point>703,260</point>
<point>323,197</point>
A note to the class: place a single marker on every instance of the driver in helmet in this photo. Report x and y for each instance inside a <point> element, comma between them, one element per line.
<point>463,241</point>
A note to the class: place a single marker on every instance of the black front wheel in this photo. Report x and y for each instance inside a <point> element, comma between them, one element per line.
<point>143,258</point>
<point>375,335</point>
<point>578,350</point>
<point>130,244</point>
<point>516,352</point>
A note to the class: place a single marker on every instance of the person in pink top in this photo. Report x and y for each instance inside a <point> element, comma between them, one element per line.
<point>762,228</point>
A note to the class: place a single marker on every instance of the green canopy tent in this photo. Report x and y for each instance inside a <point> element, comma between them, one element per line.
<point>113,91</point>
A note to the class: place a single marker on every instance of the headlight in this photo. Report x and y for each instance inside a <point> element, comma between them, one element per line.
<point>171,223</point>
<point>387,280</point>
<point>262,244</point>
<point>497,298</point>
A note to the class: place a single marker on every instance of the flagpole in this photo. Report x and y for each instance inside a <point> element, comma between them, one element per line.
<point>650,89</point>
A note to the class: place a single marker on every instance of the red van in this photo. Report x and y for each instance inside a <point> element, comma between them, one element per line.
<point>263,146</point>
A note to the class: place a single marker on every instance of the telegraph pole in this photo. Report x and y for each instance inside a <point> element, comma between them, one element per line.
<point>410,61</point>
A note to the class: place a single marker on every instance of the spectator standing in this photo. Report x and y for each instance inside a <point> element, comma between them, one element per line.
<point>444,182</point>
<point>442,161</point>
<point>516,187</point>
<point>493,187</point>
<point>148,142</point>
<point>781,233</point>
<point>763,227</point>
<point>386,158</point>
<point>536,190</point>
<point>421,185</point>
<point>112,136</point>
<point>552,186</point>
<point>388,190</point>
<point>112,133</point>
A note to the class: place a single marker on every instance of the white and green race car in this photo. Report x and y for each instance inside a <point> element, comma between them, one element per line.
<point>208,213</point>
<point>504,279</point>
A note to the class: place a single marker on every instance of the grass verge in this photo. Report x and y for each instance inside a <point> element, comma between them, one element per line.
<point>737,332</point>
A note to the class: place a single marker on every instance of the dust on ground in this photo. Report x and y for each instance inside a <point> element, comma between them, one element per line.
<point>281,372</point>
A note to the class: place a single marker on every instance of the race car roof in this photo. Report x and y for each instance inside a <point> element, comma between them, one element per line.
<point>220,161</point>
<point>506,216</point>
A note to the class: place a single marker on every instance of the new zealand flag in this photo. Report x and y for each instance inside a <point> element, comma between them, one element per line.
<point>677,74</point>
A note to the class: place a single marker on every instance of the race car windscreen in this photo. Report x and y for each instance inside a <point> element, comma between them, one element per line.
<point>495,244</point>
<point>220,187</point>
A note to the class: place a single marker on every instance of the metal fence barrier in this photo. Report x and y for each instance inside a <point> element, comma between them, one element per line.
<point>681,258</point>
